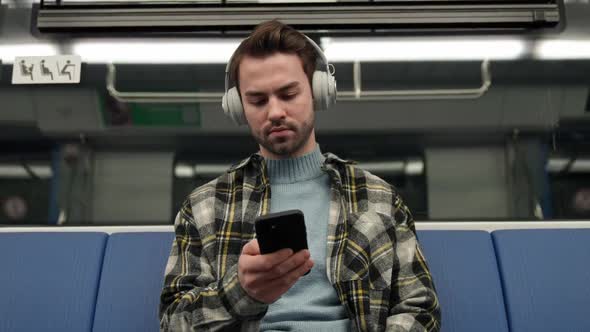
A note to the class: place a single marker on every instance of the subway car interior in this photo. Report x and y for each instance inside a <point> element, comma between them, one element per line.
<point>477,113</point>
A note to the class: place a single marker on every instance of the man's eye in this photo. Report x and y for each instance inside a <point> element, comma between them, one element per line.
<point>289,96</point>
<point>258,102</point>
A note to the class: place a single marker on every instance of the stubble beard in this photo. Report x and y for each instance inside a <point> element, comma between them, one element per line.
<point>286,146</point>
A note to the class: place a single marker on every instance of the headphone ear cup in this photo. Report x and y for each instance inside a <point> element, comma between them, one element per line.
<point>324,90</point>
<point>332,90</point>
<point>232,106</point>
<point>224,104</point>
<point>320,90</point>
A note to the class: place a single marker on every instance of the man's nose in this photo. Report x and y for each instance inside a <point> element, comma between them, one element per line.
<point>276,109</point>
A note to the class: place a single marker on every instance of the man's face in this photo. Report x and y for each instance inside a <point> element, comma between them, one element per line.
<point>278,105</point>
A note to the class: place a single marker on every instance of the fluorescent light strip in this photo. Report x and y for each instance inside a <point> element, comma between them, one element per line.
<point>420,49</point>
<point>556,165</point>
<point>184,171</point>
<point>415,167</point>
<point>19,172</point>
<point>410,167</point>
<point>562,49</point>
<point>210,169</point>
<point>158,51</point>
<point>9,51</point>
<point>76,2</point>
<point>141,51</point>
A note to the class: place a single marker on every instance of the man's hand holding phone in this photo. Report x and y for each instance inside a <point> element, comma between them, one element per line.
<point>267,277</point>
<point>272,263</point>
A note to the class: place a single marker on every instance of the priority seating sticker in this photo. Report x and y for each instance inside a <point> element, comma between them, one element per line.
<point>59,69</point>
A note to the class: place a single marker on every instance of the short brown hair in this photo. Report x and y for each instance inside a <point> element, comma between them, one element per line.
<point>269,38</point>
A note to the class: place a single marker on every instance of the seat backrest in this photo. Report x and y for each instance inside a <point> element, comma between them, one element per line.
<point>464,269</point>
<point>49,280</point>
<point>546,278</point>
<point>131,282</point>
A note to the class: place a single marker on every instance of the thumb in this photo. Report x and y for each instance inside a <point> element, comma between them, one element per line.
<point>251,248</point>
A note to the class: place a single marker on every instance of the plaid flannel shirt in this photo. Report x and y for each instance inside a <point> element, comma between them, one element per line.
<point>374,261</point>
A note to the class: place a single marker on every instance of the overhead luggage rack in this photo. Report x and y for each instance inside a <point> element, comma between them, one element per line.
<point>320,17</point>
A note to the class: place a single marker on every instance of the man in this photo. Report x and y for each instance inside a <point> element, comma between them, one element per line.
<point>368,271</point>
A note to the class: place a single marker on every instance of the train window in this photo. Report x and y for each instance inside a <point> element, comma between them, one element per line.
<point>27,195</point>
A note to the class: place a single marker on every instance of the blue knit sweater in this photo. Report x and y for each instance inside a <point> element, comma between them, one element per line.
<point>311,304</point>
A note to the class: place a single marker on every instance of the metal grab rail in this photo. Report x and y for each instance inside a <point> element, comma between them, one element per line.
<point>356,95</point>
<point>157,97</point>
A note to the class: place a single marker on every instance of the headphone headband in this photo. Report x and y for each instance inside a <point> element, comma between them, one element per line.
<point>313,44</point>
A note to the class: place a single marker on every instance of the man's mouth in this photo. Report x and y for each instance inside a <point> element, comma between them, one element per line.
<point>278,129</point>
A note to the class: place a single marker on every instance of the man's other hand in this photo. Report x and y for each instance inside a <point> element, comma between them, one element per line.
<point>267,277</point>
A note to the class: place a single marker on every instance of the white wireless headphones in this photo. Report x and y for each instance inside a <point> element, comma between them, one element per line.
<point>323,87</point>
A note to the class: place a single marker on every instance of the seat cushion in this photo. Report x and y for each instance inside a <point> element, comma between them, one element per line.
<point>546,277</point>
<point>49,280</point>
<point>464,269</point>
<point>131,282</point>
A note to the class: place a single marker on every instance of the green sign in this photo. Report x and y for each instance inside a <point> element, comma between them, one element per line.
<point>165,115</point>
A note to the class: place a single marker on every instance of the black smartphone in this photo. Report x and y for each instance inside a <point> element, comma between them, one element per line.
<point>285,229</point>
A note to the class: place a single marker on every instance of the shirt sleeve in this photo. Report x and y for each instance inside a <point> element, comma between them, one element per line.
<point>415,305</point>
<point>192,298</point>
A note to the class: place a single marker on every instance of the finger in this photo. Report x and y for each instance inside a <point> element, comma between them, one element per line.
<point>269,261</point>
<point>289,264</point>
<point>273,290</point>
<point>305,269</point>
<point>288,279</point>
<point>276,288</point>
<point>265,263</point>
<point>261,279</point>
